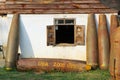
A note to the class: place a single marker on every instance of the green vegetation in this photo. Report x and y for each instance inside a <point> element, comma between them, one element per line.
<point>90,75</point>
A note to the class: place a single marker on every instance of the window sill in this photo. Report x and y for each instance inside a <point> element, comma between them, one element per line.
<point>65,44</point>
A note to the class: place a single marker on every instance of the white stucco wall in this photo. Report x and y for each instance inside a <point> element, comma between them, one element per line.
<point>33,37</point>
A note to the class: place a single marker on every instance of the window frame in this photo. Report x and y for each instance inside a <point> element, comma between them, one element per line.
<point>64,19</point>
<point>81,41</point>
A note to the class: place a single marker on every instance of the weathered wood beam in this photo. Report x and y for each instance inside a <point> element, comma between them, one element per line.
<point>2,6</point>
<point>57,11</point>
<point>40,64</point>
<point>2,1</point>
<point>52,2</point>
<point>54,6</point>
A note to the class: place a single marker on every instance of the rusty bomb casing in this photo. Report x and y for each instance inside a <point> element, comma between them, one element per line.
<point>113,23</point>
<point>115,58</point>
<point>92,42</point>
<point>12,45</point>
<point>103,42</point>
<point>48,65</point>
<point>113,26</point>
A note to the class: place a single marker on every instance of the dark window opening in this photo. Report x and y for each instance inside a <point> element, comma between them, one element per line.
<point>119,17</point>
<point>64,34</point>
<point>118,12</point>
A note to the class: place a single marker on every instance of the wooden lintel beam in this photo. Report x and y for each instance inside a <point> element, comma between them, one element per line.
<point>58,11</point>
<point>52,2</point>
<point>60,6</point>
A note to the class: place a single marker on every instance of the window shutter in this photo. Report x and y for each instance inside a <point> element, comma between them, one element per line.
<point>51,35</point>
<point>79,34</point>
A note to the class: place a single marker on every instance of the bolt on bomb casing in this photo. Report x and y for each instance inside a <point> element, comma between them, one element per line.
<point>113,27</point>
<point>103,42</point>
<point>12,45</point>
<point>92,42</point>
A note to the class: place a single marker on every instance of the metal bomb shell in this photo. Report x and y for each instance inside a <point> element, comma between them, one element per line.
<point>12,45</point>
<point>92,42</point>
<point>103,42</point>
<point>115,59</point>
<point>113,27</point>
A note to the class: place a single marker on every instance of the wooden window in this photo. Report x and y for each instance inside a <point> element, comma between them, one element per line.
<point>64,21</point>
<point>51,35</point>
<point>79,35</point>
<point>65,32</point>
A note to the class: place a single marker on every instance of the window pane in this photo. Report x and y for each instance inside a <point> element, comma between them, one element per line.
<point>69,21</point>
<point>59,21</point>
<point>65,34</point>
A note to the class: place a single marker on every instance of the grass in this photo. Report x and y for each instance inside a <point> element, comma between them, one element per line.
<point>90,75</point>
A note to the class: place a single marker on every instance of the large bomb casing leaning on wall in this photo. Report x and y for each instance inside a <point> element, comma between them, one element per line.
<point>115,59</point>
<point>48,65</point>
<point>113,26</point>
<point>103,42</point>
<point>92,42</point>
<point>116,49</point>
<point>12,45</point>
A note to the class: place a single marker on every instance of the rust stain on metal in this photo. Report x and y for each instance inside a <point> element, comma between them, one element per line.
<point>114,24</point>
<point>113,27</point>
<point>115,56</point>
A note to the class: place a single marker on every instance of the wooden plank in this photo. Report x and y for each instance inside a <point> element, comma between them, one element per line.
<point>51,35</point>
<point>79,34</point>
<point>60,6</point>
<point>54,6</point>
<point>2,6</point>
<point>52,2</point>
<point>57,11</point>
<point>2,1</point>
<point>75,11</point>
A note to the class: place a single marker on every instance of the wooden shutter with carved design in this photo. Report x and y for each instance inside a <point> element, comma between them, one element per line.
<point>51,35</point>
<point>79,34</point>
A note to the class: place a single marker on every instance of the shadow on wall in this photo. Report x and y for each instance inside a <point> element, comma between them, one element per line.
<point>108,25</point>
<point>25,43</point>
